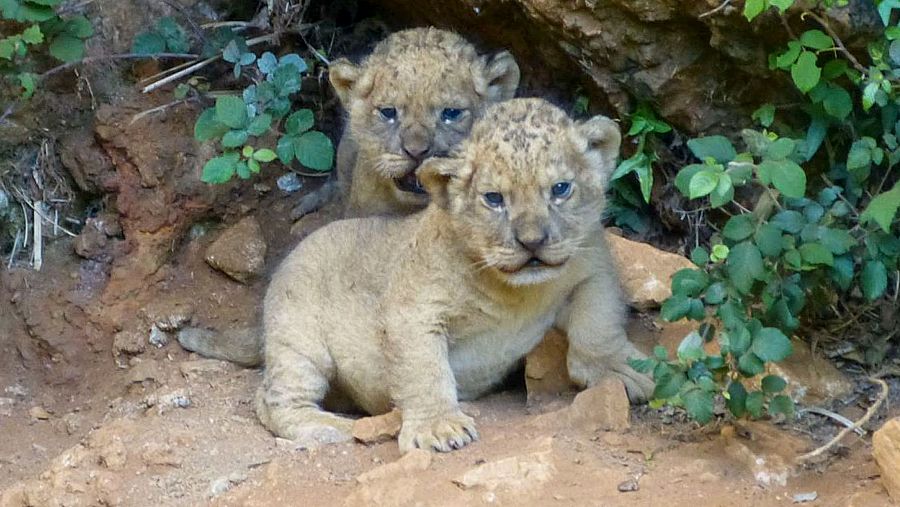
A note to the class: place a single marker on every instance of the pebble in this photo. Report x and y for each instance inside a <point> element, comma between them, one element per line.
<point>158,338</point>
<point>39,413</point>
<point>289,183</point>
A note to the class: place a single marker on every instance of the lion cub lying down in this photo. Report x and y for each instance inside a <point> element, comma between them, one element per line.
<point>439,306</point>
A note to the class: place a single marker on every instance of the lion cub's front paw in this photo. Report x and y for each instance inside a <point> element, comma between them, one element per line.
<point>443,433</point>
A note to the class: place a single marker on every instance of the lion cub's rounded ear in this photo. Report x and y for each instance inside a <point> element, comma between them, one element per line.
<point>343,75</point>
<point>600,138</point>
<point>434,174</point>
<point>498,77</point>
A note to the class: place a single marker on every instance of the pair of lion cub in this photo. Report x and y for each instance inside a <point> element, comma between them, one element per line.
<point>421,310</point>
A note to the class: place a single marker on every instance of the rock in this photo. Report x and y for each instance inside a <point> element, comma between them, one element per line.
<point>241,346</point>
<point>766,451</point>
<point>192,370</point>
<point>645,271</point>
<point>289,183</point>
<point>415,460</point>
<point>168,315</point>
<point>39,413</point>
<point>91,242</point>
<point>6,405</point>
<point>128,342</point>
<point>114,455</point>
<point>223,484</point>
<point>156,453</point>
<point>811,378</point>
<point>514,473</point>
<point>546,374</point>
<point>158,338</point>
<point>604,407</point>
<point>377,429</point>
<point>886,450</point>
<point>240,251</point>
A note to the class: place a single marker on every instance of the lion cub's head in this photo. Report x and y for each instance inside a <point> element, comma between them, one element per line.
<point>525,191</point>
<point>416,96</point>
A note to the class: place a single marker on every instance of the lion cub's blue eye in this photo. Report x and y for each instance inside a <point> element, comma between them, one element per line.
<point>493,199</point>
<point>451,114</point>
<point>561,190</point>
<point>388,113</point>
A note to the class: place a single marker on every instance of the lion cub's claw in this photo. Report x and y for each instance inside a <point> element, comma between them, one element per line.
<point>442,434</point>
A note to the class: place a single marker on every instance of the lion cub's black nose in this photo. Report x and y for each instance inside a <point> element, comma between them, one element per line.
<point>532,243</point>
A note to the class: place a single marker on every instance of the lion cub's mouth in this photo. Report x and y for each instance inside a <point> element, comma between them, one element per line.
<point>533,262</point>
<point>409,183</point>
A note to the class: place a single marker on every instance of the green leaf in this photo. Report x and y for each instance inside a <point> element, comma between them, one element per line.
<point>148,43</point>
<point>782,404</point>
<point>715,293</point>
<point>884,10</point>
<point>883,208</point>
<point>815,253</point>
<point>699,405</point>
<point>789,178</point>
<point>719,252</point>
<point>48,3</point>
<point>67,48</point>
<point>285,149</point>
<point>739,227</point>
<point>33,35</point>
<point>750,365</point>
<point>254,166</point>
<point>699,256</point>
<point>247,151</point>
<point>642,365</point>
<point>873,280</point>
<point>660,353</point>
<point>689,282</point>
<point>805,72</point>
<point>765,115</point>
<point>264,155</point>
<point>838,102</point>
<point>314,150</point>
<point>669,385</point>
<point>753,8</point>
<point>816,39</point>
<point>768,239</point>
<point>27,11</point>
<point>703,183</point>
<point>717,147</point>
<point>869,95</point>
<point>684,177</point>
<point>772,384</point>
<point>788,221</point>
<point>79,27</point>
<point>770,344</point>
<point>722,194</point>
<point>744,266</point>
<point>300,121</point>
<point>780,149</point>
<point>243,170</point>
<point>860,155</point>
<point>782,5</point>
<point>260,125</point>
<point>690,348</point>
<point>234,138</point>
<point>755,402</point>
<point>842,272</point>
<point>231,111</point>
<point>175,37</point>
<point>697,311</point>
<point>786,59</point>
<point>837,241</point>
<point>737,399</point>
<point>207,127</point>
<point>220,169</point>
<point>675,308</point>
<point>28,81</point>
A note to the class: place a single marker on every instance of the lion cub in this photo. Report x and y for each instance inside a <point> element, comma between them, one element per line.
<point>424,310</point>
<point>415,96</point>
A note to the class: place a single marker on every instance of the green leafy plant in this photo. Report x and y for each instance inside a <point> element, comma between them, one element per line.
<point>37,28</point>
<point>263,107</point>
<point>165,36</point>
<point>801,233</point>
<point>630,194</point>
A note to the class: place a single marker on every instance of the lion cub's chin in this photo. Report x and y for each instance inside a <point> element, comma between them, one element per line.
<point>532,275</point>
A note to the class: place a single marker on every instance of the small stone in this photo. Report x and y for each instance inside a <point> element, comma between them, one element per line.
<point>806,497</point>
<point>289,183</point>
<point>158,338</point>
<point>169,316</point>
<point>160,454</point>
<point>223,484</point>
<point>91,242</point>
<point>515,473</point>
<point>6,405</point>
<point>629,486</point>
<point>602,407</point>
<point>377,429</point>
<point>546,374</point>
<point>645,271</point>
<point>39,413</point>
<point>886,449</point>
<point>128,342</point>
<point>114,455</point>
<point>72,422</point>
<point>415,460</point>
<point>240,251</point>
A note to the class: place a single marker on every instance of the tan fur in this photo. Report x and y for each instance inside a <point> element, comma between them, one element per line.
<point>419,72</point>
<point>424,310</point>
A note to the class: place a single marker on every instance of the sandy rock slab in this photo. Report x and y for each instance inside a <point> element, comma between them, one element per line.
<point>645,271</point>
<point>886,449</point>
<point>240,251</point>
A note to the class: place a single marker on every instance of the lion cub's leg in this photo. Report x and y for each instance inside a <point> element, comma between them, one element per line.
<point>295,383</point>
<point>594,323</point>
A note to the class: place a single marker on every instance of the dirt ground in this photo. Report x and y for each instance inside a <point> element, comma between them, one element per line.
<point>92,412</point>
